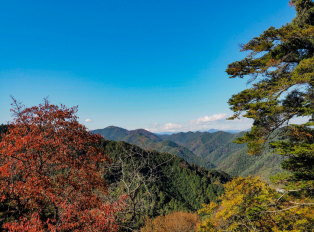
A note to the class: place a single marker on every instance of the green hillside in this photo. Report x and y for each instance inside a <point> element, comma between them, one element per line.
<point>150,141</point>
<point>209,150</point>
<point>242,164</point>
<point>214,147</point>
<point>227,156</point>
<point>175,185</point>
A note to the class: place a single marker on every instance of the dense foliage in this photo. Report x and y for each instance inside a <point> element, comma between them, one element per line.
<point>72,170</point>
<point>176,185</point>
<point>3,129</point>
<point>50,176</point>
<point>281,67</point>
<point>252,205</point>
<point>281,64</point>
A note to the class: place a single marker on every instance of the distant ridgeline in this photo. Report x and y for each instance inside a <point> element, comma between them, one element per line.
<point>209,150</point>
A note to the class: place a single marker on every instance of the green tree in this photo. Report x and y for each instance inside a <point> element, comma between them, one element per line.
<point>3,129</point>
<point>280,63</point>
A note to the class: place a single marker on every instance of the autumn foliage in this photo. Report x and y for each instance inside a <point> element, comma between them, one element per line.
<point>250,204</point>
<point>174,222</point>
<point>50,175</point>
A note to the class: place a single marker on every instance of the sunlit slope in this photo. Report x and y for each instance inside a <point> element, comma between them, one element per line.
<point>214,147</point>
<point>242,164</point>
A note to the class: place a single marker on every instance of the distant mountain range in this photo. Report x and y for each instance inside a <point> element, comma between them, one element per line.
<point>150,141</point>
<point>229,131</point>
<point>210,131</point>
<point>211,149</point>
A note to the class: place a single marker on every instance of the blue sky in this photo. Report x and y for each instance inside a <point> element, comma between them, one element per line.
<point>158,65</point>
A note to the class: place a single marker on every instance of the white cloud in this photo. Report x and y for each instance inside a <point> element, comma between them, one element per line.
<point>209,119</point>
<point>153,130</point>
<point>171,126</point>
<point>88,120</point>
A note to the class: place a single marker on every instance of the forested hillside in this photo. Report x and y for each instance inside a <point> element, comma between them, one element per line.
<point>242,164</point>
<point>219,148</point>
<point>150,141</point>
<point>210,150</point>
<point>214,147</point>
<point>167,182</point>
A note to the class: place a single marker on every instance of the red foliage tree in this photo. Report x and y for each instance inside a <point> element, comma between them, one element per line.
<point>50,173</point>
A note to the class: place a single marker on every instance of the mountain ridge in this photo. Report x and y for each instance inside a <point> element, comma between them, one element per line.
<point>209,150</point>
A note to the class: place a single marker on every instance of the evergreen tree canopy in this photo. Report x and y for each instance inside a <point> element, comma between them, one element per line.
<point>280,63</point>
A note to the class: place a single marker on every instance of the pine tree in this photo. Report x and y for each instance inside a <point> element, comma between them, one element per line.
<point>280,64</point>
